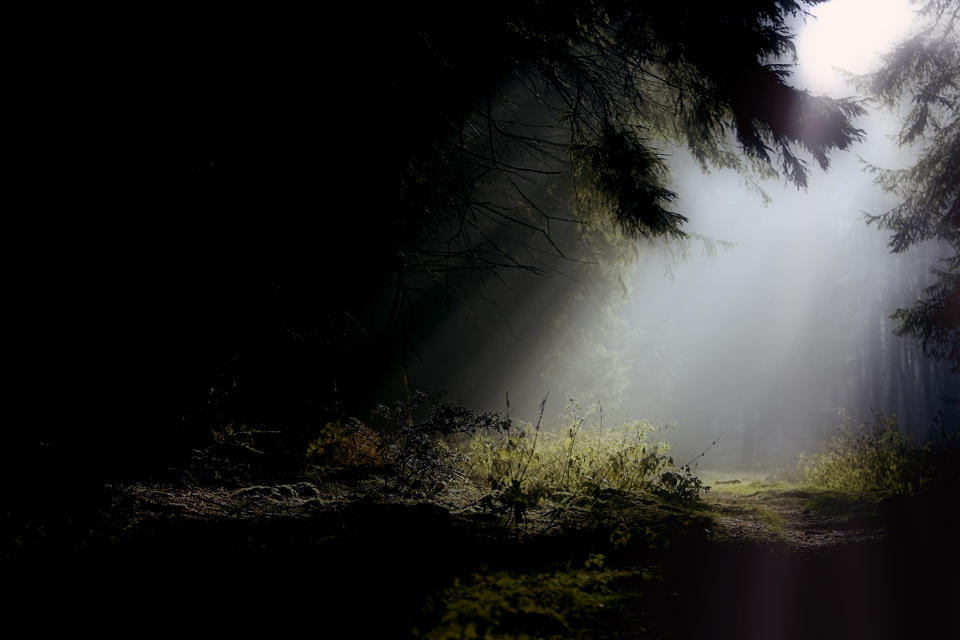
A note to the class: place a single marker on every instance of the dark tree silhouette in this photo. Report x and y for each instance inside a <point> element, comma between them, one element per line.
<point>924,72</point>
<point>589,91</point>
<point>253,200</point>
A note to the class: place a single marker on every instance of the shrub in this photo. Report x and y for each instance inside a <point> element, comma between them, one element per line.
<point>346,445</point>
<point>681,486</point>
<point>424,445</point>
<point>521,464</point>
<point>878,457</point>
<point>412,441</point>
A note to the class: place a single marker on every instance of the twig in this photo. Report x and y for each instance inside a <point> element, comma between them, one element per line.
<point>536,434</point>
<point>704,452</point>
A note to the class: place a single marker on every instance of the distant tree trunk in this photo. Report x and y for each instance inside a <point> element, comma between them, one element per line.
<point>748,455</point>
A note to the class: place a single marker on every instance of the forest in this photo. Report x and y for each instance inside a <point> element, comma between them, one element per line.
<point>540,319</point>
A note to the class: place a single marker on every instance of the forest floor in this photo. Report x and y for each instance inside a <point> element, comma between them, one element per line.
<point>800,519</point>
<point>757,558</point>
<point>797,562</point>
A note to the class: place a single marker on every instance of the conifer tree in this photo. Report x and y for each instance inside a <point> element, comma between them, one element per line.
<point>922,76</point>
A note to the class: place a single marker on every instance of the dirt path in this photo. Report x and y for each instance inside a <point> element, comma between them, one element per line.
<point>781,562</point>
<point>789,519</point>
<point>792,564</point>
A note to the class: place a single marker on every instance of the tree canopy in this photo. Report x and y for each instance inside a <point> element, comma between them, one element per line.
<point>923,74</point>
<point>313,187</point>
<point>496,101</point>
<point>254,202</point>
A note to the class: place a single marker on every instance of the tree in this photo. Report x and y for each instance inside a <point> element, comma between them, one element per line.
<point>468,140</point>
<point>527,128</point>
<point>261,201</point>
<point>924,72</point>
<point>509,107</point>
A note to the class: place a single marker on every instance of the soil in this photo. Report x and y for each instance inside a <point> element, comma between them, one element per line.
<point>886,569</point>
<point>346,558</point>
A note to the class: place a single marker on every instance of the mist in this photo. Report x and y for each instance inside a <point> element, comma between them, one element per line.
<point>487,320</point>
<point>761,331</point>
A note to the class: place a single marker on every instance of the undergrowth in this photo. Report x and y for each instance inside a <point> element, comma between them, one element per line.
<point>578,458</point>
<point>601,505</point>
<point>516,466</point>
<point>878,457</point>
<point>522,464</point>
<point>509,605</point>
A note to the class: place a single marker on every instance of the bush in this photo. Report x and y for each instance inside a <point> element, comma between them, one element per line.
<point>879,457</point>
<point>521,464</point>
<point>412,441</point>
<point>425,445</point>
<point>350,445</point>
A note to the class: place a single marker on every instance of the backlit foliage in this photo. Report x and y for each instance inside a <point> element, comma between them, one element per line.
<point>552,112</point>
<point>523,464</point>
<point>878,457</point>
<point>515,464</point>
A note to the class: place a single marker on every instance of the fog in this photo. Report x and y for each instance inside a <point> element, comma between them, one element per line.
<point>764,339</point>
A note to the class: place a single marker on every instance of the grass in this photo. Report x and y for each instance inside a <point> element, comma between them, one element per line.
<point>785,484</point>
<point>593,509</point>
<point>517,469</point>
<point>521,465</point>
<point>505,529</point>
<point>772,519</point>
<point>620,506</point>
<point>835,503</point>
<point>766,498</point>
<point>748,483</point>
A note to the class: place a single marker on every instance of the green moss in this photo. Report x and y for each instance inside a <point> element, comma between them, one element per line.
<point>512,606</point>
